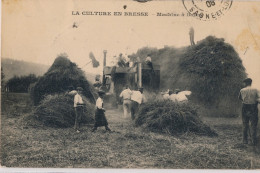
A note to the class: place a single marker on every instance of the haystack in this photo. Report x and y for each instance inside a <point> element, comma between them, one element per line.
<point>172,118</point>
<point>62,74</point>
<point>214,69</point>
<point>50,94</point>
<point>57,111</point>
<point>211,69</point>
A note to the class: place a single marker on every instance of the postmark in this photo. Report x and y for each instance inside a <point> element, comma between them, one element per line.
<point>207,9</point>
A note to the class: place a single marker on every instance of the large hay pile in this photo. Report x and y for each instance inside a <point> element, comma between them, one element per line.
<point>50,94</point>
<point>215,71</point>
<point>62,74</point>
<point>173,118</point>
<point>57,111</point>
<point>211,69</point>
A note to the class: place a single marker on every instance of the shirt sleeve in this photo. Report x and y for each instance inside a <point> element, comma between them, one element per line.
<point>121,94</point>
<point>75,100</point>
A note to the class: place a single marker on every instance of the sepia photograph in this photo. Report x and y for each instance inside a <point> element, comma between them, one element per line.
<point>130,84</point>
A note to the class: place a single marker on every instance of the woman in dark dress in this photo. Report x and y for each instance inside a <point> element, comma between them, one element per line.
<point>100,118</point>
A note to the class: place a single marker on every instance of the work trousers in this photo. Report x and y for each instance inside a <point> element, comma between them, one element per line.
<point>250,114</point>
<point>79,114</point>
<point>134,109</point>
<point>126,107</point>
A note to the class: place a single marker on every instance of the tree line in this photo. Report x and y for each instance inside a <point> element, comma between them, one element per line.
<point>20,84</point>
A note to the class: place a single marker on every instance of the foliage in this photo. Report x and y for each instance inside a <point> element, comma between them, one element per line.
<point>174,118</point>
<point>21,84</point>
<point>57,111</point>
<point>2,74</point>
<point>2,78</point>
<point>62,74</point>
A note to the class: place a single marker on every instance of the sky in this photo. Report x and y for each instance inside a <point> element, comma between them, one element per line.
<point>39,30</point>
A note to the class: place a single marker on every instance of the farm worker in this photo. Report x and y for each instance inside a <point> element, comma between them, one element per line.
<point>126,95</point>
<point>137,98</point>
<point>165,95</point>
<point>250,97</point>
<point>100,118</point>
<point>78,106</point>
<point>181,96</point>
<point>121,62</point>
<point>97,83</point>
<point>148,61</point>
<point>71,91</point>
<point>172,96</point>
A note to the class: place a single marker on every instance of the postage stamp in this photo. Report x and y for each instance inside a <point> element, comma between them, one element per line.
<point>207,10</point>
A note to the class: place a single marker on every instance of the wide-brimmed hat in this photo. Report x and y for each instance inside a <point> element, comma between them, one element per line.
<point>79,89</point>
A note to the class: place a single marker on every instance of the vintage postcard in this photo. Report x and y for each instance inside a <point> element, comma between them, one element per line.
<point>130,84</point>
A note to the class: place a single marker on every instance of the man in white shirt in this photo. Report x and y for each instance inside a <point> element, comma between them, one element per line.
<point>78,106</point>
<point>137,98</point>
<point>126,95</point>
<point>250,97</point>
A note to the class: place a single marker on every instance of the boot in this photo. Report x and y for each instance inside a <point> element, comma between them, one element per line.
<point>108,129</point>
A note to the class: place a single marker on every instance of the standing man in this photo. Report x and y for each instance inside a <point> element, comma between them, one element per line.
<point>126,95</point>
<point>78,106</point>
<point>250,98</point>
<point>137,98</point>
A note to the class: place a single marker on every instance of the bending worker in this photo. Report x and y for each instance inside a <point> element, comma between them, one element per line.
<point>137,98</point>
<point>250,98</point>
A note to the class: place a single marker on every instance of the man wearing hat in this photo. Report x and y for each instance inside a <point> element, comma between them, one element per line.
<point>137,98</point>
<point>71,91</point>
<point>250,97</point>
<point>100,118</point>
<point>78,106</point>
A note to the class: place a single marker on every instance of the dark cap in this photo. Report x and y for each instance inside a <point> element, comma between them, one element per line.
<point>248,81</point>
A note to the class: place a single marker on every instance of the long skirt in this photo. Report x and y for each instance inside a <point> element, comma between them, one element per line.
<point>100,118</point>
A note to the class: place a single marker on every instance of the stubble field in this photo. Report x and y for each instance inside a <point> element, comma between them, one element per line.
<point>25,143</point>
